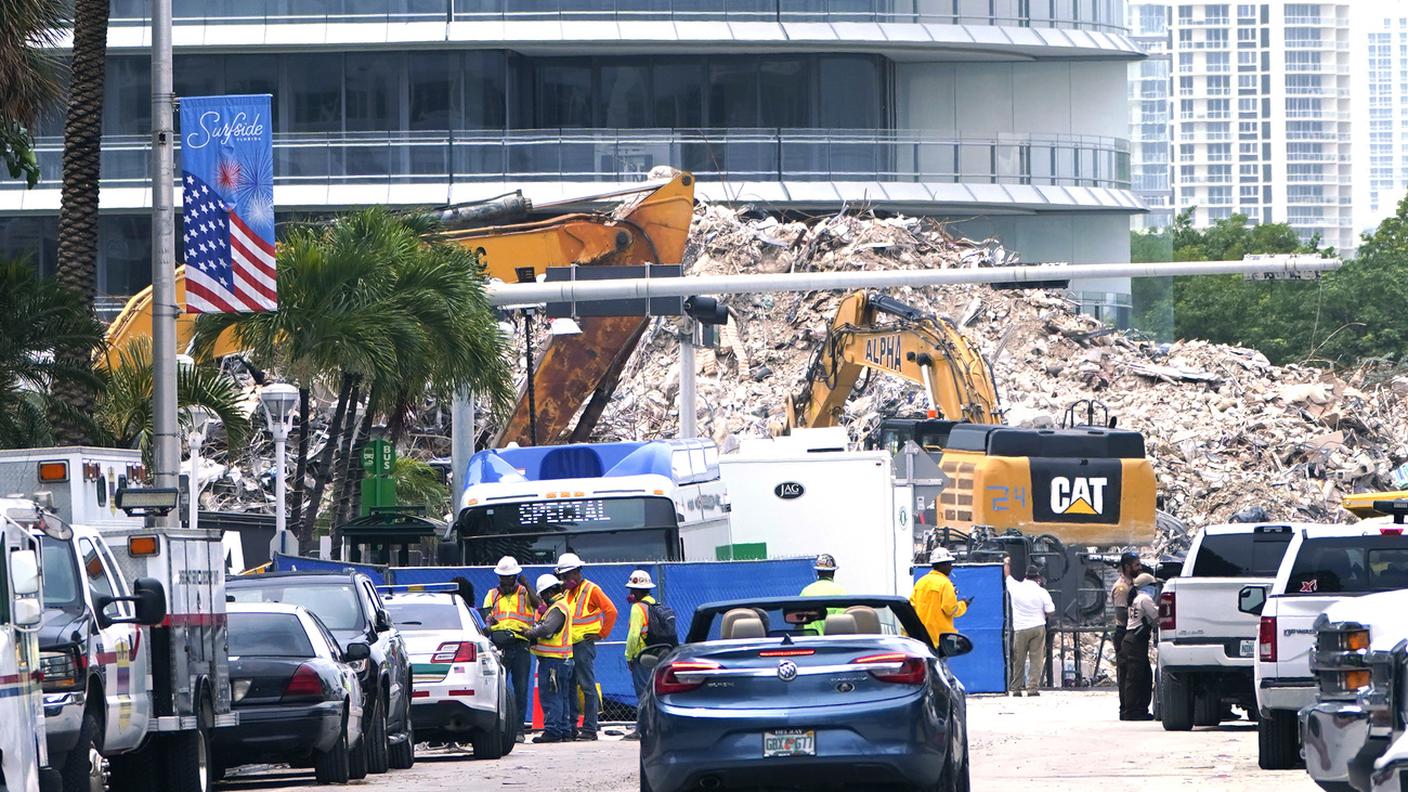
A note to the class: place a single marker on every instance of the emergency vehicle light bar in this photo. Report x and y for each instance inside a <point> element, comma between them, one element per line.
<point>145,501</point>
<point>403,588</point>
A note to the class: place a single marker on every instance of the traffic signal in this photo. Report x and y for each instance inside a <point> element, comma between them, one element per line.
<point>706,310</point>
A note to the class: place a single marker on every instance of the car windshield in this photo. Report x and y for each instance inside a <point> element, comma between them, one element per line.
<point>60,575</point>
<point>802,623</point>
<point>1350,565</point>
<point>268,635</point>
<point>335,603</point>
<point>424,615</point>
<point>1241,554</point>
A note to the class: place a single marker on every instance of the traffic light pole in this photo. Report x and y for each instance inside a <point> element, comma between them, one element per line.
<point>166,443</point>
<point>689,410</point>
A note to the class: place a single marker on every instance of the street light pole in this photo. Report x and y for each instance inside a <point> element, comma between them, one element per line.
<point>200,418</point>
<point>279,400</point>
<point>689,410</point>
<point>166,442</point>
<point>528,367</point>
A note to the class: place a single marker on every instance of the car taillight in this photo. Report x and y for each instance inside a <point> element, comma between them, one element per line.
<point>912,670</point>
<point>305,683</point>
<point>1168,610</point>
<point>1266,639</point>
<point>455,652</point>
<point>667,679</point>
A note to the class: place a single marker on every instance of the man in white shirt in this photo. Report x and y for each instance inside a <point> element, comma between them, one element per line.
<point>1031,607</point>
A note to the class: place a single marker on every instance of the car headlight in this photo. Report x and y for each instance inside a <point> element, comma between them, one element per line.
<point>62,670</point>
<point>239,687</point>
<point>360,666</point>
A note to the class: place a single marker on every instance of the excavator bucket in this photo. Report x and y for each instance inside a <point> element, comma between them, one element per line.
<point>651,227</point>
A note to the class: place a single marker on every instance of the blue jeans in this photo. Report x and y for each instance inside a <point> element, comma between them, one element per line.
<point>584,675</point>
<point>554,692</point>
<point>640,679</point>
<point>518,662</point>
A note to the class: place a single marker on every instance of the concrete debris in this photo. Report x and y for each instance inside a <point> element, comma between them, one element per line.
<point>1224,427</point>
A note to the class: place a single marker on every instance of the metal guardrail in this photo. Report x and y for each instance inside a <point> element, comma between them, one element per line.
<point>1098,15</point>
<point>613,155</point>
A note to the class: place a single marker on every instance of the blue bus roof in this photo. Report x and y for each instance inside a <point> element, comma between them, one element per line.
<point>576,461</point>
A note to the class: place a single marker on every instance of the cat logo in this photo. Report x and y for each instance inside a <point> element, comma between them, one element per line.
<point>1078,495</point>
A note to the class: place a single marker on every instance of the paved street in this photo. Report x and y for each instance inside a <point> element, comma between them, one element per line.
<point>1061,742</point>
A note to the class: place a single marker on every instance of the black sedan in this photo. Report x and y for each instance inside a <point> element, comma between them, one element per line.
<point>298,699</point>
<point>756,697</point>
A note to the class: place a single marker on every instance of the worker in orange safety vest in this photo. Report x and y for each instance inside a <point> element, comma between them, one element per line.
<point>593,616</point>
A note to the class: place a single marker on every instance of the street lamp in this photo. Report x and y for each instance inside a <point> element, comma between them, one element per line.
<point>279,400</point>
<point>200,419</point>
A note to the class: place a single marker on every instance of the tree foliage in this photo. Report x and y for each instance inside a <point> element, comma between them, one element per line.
<point>1349,316</point>
<point>29,77</point>
<point>36,317</point>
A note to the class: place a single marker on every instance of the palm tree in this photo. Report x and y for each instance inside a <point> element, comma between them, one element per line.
<point>36,317</point>
<point>78,210</point>
<point>29,82</point>
<point>372,302</point>
<point>125,406</point>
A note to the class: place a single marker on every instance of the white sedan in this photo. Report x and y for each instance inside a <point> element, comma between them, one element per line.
<point>460,690</point>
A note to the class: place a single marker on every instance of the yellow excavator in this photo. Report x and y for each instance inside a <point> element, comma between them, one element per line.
<point>1085,484</point>
<point>650,225</point>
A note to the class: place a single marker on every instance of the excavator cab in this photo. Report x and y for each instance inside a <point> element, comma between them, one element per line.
<point>930,434</point>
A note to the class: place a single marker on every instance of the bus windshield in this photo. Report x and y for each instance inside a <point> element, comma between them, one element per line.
<point>604,529</point>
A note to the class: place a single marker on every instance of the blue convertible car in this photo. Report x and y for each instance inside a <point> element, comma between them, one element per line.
<point>806,693</point>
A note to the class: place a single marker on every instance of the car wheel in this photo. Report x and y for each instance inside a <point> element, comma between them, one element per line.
<point>82,770</point>
<point>136,772</point>
<point>188,756</point>
<point>1176,702</point>
<point>374,738</point>
<point>403,753</point>
<point>1277,743</point>
<point>954,777</point>
<point>357,760</point>
<point>332,766</point>
<point>512,723</point>
<point>1207,710</point>
<point>644,782</point>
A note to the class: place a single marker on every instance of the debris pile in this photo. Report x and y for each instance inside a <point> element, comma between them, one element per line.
<point>1225,428</point>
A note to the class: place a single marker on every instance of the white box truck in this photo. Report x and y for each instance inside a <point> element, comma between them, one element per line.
<point>805,494</point>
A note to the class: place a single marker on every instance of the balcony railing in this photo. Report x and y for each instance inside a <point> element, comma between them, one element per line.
<point>624,155</point>
<point>1102,15</point>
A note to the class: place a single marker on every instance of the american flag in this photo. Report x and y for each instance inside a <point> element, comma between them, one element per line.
<point>229,268</point>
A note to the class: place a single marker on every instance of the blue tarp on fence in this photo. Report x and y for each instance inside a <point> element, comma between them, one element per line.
<point>984,670</point>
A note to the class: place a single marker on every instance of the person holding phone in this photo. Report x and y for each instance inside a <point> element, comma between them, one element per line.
<point>935,599</point>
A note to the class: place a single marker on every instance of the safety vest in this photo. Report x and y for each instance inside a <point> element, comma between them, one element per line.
<point>512,612</point>
<point>584,623</point>
<point>559,646</point>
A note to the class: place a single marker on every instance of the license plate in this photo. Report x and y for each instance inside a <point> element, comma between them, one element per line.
<point>1248,648</point>
<point>789,742</point>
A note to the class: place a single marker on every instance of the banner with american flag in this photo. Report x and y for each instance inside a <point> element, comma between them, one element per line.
<point>227,189</point>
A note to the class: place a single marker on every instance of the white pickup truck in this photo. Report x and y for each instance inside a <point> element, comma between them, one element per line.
<point>1323,565</point>
<point>1206,645</point>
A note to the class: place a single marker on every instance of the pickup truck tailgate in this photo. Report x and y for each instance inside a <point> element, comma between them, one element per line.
<point>1295,634</point>
<point>1205,614</point>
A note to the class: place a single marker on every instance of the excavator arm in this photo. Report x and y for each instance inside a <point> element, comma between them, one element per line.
<point>914,346</point>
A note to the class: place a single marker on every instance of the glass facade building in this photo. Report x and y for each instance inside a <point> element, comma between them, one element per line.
<point>1010,115</point>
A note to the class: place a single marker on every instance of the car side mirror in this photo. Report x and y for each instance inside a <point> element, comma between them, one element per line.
<point>148,600</point>
<point>28,611</point>
<point>24,572</point>
<point>383,622</point>
<point>954,645</point>
<point>649,661</point>
<point>1251,600</point>
<point>356,651</point>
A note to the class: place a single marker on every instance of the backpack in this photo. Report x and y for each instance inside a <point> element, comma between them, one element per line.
<point>660,628</point>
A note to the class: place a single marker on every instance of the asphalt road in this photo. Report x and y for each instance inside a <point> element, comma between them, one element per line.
<point>1060,742</point>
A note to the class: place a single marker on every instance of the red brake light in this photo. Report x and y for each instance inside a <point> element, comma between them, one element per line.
<point>1168,610</point>
<point>667,680</point>
<point>1391,530</point>
<point>1266,639</point>
<point>305,683</point>
<point>786,652</point>
<point>455,652</point>
<point>912,670</point>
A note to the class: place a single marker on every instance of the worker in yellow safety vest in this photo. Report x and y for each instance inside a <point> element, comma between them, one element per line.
<point>593,616</point>
<point>825,585</point>
<point>509,609</point>
<point>935,599</point>
<point>552,645</point>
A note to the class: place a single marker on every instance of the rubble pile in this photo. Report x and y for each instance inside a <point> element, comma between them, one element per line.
<point>1225,428</point>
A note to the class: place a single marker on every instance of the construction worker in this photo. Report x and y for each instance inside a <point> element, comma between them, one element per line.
<point>552,644</point>
<point>640,596</point>
<point>825,585</point>
<point>509,609</point>
<point>935,599</point>
<point>1129,565</point>
<point>1138,677</point>
<point>593,615</point>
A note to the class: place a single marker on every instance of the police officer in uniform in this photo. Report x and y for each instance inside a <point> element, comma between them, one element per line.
<point>1119,597</point>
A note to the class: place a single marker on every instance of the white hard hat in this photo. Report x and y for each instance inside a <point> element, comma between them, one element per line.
<point>825,563</point>
<point>640,579</point>
<point>568,562</point>
<point>508,566</point>
<point>941,555</point>
<point>546,581</point>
